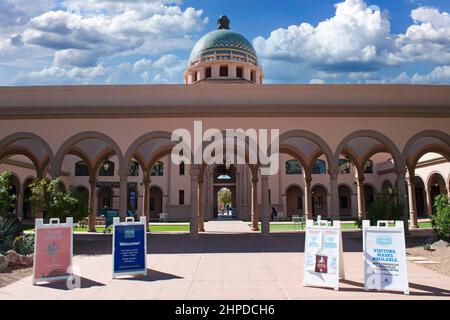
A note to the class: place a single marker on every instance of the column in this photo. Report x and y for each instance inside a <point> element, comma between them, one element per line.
<point>201,207</point>
<point>92,204</point>
<point>265,208</point>
<point>429,202</point>
<point>123,196</point>
<point>412,203</point>
<point>255,226</point>
<point>308,208</point>
<point>194,202</point>
<point>146,199</point>
<point>401,176</point>
<point>334,209</point>
<point>361,200</point>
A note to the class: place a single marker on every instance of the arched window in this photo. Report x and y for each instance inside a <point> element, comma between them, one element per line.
<point>253,76</point>
<point>158,169</point>
<point>182,168</point>
<point>81,169</point>
<point>195,76</point>
<point>368,166</point>
<point>208,72</point>
<point>239,72</point>
<point>223,71</point>
<point>134,168</point>
<point>107,169</point>
<point>319,167</point>
<point>293,167</point>
<point>344,166</point>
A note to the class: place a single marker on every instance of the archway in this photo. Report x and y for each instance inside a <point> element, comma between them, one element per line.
<point>105,199</point>
<point>156,200</point>
<point>419,191</point>
<point>294,201</point>
<point>436,185</point>
<point>224,178</point>
<point>369,194</point>
<point>345,201</point>
<point>319,200</point>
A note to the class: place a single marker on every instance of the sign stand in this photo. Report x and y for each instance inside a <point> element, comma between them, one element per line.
<point>53,250</point>
<point>385,257</point>
<point>324,258</point>
<point>129,247</point>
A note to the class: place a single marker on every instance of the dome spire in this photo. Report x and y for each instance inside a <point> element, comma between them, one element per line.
<point>223,22</point>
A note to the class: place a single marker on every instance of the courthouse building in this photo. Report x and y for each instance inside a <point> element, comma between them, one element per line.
<point>340,145</point>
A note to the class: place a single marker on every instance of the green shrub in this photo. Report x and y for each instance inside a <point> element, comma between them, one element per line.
<point>10,229</point>
<point>440,221</point>
<point>24,244</point>
<point>7,200</point>
<point>386,206</point>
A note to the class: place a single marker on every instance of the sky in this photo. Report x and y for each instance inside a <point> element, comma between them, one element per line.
<point>60,42</point>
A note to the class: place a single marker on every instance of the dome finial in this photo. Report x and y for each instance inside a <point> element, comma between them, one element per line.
<point>223,22</point>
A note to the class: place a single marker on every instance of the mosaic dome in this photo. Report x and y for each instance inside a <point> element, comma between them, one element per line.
<point>222,40</point>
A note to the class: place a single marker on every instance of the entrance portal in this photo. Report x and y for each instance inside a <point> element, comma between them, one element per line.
<point>225,192</point>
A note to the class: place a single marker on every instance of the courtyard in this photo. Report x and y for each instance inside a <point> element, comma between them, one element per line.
<point>225,262</point>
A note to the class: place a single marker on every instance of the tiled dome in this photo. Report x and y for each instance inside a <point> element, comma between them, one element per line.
<point>222,41</point>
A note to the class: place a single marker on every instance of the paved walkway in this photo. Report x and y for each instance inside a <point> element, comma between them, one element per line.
<point>219,266</point>
<point>227,226</point>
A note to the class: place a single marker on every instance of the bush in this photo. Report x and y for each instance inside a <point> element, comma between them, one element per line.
<point>7,200</point>
<point>386,206</point>
<point>440,221</point>
<point>10,229</point>
<point>24,244</point>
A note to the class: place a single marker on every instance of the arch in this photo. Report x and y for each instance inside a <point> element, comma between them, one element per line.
<point>133,148</point>
<point>296,185</point>
<point>442,136</point>
<point>8,140</point>
<point>420,196</point>
<point>323,146</point>
<point>24,152</point>
<point>428,149</point>
<point>294,200</point>
<point>345,193</point>
<point>319,200</point>
<point>156,201</point>
<point>67,145</point>
<point>388,143</point>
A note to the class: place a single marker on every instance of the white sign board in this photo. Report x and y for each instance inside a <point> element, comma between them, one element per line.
<point>385,257</point>
<point>129,247</point>
<point>324,261</point>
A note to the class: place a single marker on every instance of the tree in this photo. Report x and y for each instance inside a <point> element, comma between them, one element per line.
<point>7,200</point>
<point>386,206</point>
<point>46,197</point>
<point>440,220</point>
<point>82,209</point>
<point>224,196</point>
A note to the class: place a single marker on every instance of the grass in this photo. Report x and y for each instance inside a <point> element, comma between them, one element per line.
<point>157,227</point>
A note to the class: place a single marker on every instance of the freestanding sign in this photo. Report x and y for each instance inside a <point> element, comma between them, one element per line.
<point>129,247</point>
<point>385,257</point>
<point>53,250</point>
<point>324,260</point>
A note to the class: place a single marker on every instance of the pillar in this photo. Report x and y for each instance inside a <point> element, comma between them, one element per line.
<point>401,176</point>
<point>361,200</point>
<point>412,203</point>
<point>92,204</point>
<point>123,196</point>
<point>334,192</point>
<point>194,202</point>
<point>308,207</point>
<point>265,206</point>
<point>146,200</point>
<point>429,201</point>
<point>255,225</point>
<point>201,207</point>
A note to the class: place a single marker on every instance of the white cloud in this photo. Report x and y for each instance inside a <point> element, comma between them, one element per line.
<point>354,38</point>
<point>426,40</point>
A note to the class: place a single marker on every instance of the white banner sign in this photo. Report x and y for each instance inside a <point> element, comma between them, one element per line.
<point>385,257</point>
<point>324,264</point>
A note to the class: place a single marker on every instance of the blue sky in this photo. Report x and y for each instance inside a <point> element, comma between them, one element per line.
<point>149,41</point>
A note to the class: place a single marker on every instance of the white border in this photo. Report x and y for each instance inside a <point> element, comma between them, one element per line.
<point>323,225</point>
<point>53,223</point>
<point>399,227</point>
<point>129,221</point>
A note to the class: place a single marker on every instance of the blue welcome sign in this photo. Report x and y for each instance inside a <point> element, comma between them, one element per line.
<point>129,247</point>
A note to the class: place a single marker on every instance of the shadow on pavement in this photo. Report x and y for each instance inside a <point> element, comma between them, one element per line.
<point>152,275</point>
<point>62,285</point>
